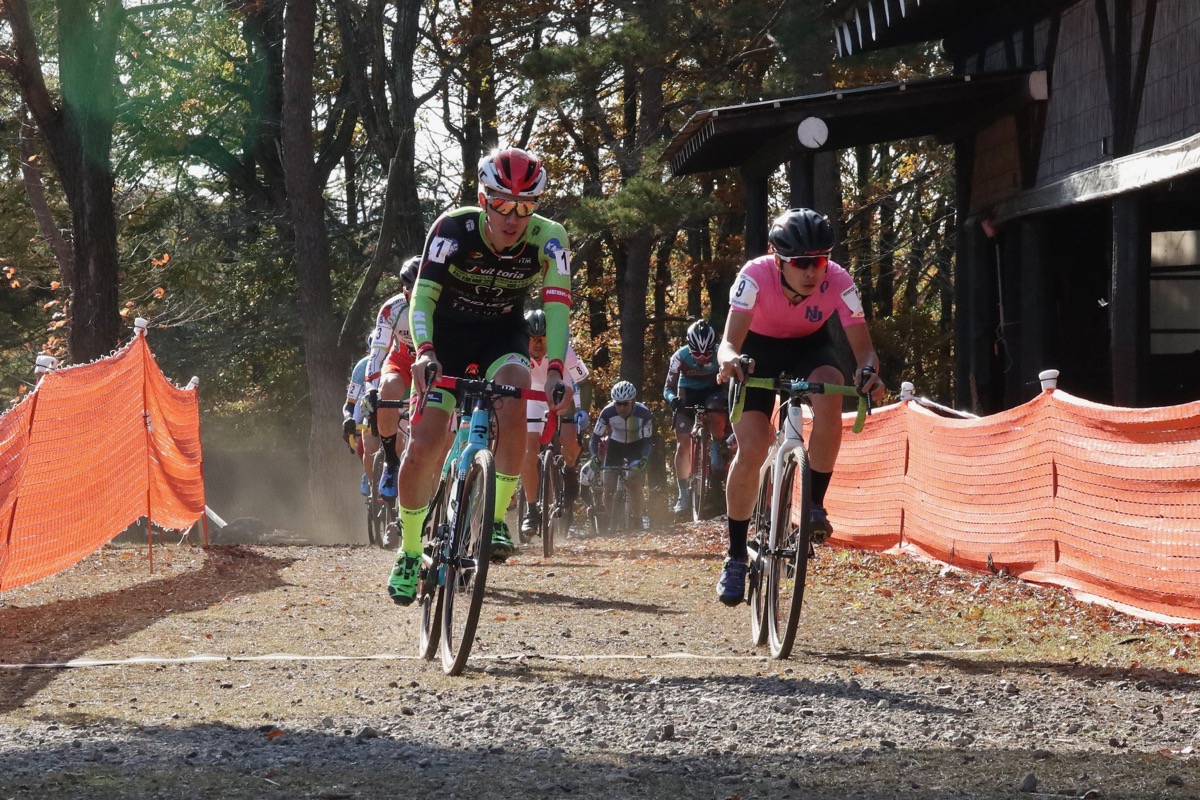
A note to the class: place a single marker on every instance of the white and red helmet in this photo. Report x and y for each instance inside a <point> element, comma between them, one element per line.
<point>512,171</point>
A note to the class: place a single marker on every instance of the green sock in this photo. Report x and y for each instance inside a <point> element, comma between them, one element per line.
<point>411,522</point>
<point>506,485</point>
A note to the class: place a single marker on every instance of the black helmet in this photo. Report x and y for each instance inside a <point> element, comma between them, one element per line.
<point>701,338</point>
<point>801,232</point>
<point>408,272</point>
<point>535,322</point>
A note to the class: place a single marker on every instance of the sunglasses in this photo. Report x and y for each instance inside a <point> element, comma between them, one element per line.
<point>623,403</point>
<point>537,339</point>
<point>804,262</point>
<point>504,206</point>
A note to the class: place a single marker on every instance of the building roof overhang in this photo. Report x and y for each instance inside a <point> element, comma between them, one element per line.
<point>761,136</point>
<point>861,25</point>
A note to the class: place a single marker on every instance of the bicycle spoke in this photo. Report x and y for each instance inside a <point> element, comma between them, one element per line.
<point>759,537</point>
<point>466,572</point>
<point>787,562</point>
<point>429,592</point>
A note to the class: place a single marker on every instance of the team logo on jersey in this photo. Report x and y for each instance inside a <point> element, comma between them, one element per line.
<point>813,314</point>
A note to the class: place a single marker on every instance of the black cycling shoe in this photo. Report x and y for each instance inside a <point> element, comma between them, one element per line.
<point>731,588</point>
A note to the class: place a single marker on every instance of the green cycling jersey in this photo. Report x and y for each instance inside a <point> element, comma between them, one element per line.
<point>463,279</point>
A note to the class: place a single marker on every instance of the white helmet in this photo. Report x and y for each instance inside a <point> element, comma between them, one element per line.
<point>623,392</point>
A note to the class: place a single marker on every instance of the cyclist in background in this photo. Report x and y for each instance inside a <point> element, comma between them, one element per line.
<point>390,368</point>
<point>626,429</point>
<point>692,381</point>
<point>467,310</point>
<point>574,418</point>
<point>353,422</point>
<point>780,305</point>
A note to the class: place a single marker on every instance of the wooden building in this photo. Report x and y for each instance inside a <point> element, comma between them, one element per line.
<point>1076,127</point>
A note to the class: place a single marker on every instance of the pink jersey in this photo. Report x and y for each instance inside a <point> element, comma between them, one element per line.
<point>758,290</point>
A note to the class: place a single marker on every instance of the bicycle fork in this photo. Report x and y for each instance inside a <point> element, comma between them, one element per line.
<point>785,442</point>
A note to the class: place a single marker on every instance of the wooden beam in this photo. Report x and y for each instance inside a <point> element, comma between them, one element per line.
<point>1129,305</point>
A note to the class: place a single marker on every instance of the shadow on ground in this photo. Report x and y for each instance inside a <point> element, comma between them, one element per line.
<point>65,629</point>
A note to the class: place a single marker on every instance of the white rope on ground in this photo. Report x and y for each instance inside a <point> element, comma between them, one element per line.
<point>76,663</point>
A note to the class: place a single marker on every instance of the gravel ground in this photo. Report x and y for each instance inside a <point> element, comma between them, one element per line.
<point>607,671</point>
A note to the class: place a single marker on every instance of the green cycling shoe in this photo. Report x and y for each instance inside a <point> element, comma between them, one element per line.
<point>402,584</point>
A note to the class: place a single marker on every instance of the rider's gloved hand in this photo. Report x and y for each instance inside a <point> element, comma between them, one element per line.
<point>348,427</point>
<point>676,403</point>
<point>638,464</point>
<point>582,419</point>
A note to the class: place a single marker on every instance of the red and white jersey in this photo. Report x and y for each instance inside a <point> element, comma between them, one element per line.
<point>391,330</point>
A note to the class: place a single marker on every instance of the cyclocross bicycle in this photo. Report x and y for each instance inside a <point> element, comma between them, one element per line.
<point>780,538</point>
<point>383,527</point>
<point>381,511</point>
<point>457,534</point>
<point>612,513</point>
<point>701,485</point>
<point>557,513</point>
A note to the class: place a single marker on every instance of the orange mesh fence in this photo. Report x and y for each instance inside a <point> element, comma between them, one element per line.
<point>91,451</point>
<point>1104,501</point>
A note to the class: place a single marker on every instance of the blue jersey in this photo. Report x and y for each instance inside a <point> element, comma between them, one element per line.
<point>685,373</point>
<point>355,392</point>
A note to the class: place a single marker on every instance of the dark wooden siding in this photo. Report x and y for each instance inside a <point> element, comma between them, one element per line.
<point>1171,106</point>
<point>1078,121</point>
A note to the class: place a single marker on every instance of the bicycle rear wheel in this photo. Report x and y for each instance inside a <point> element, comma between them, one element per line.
<point>429,591</point>
<point>466,571</point>
<point>699,479</point>
<point>787,558</point>
<point>759,535</point>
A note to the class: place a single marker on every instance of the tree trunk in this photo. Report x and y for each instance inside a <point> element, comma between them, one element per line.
<point>324,363</point>
<point>632,288</point>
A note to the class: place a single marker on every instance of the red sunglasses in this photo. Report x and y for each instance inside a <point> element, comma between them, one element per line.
<point>504,206</point>
<point>804,262</point>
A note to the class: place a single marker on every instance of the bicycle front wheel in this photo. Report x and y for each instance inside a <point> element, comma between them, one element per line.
<point>787,556</point>
<point>522,512</point>
<point>429,590</point>
<point>621,514</point>
<point>553,508</point>
<point>376,521</point>
<point>466,569</point>
<point>757,542</point>
<point>699,479</point>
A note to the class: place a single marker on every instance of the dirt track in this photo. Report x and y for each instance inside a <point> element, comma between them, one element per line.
<point>606,671</point>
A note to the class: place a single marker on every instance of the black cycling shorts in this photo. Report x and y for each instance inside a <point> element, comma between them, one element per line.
<point>483,343</point>
<point>796,358</point>
<point>713,398</point>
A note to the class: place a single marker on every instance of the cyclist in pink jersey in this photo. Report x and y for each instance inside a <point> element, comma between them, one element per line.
<point>779,307</point>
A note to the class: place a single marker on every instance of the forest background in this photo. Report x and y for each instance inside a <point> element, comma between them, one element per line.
<point>248,176</point>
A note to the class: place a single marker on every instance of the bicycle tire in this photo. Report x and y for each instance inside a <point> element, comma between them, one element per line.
<point>550,487</point>
<point>374,500</point>
<point>621,515</point>
<point>787,558</point>
<point>429,591</point>
<point>467,568</point>
<point>759,535</point>
<point>522,510</point>
<point>699,479</point>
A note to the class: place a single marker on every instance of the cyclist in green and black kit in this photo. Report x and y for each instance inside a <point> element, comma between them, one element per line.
<point>467,308</point>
